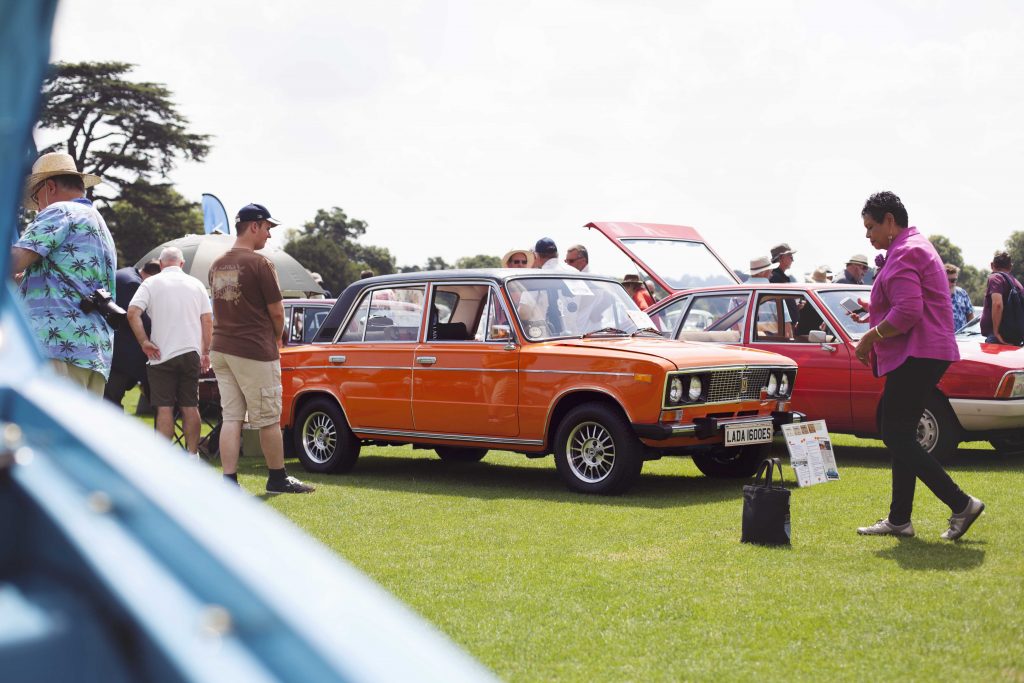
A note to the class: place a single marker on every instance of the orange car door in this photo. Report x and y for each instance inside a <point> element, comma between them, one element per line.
<point>466,373</point>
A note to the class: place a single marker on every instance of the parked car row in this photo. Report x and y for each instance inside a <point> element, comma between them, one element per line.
<point>553,363</point>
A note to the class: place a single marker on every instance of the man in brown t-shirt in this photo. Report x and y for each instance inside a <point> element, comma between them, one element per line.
<point>248,319</point>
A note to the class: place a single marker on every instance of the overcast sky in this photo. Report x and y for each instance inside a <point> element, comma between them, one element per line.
<point>465,127</point>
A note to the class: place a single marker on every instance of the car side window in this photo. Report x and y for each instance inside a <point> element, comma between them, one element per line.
<point>715,318</point>
<point>297,330</point>
<point>495,326</point>
<point>789,318</point>
<point>668,317</point>
<point>457,311</point>
<point>314,319</point>
<point>387,315</point>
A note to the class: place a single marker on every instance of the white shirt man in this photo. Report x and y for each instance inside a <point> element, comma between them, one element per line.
<point>178,347</point>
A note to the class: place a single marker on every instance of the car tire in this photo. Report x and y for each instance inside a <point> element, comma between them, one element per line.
<point>1008,445</point>
<point>938,431</point>
<point>596,451</point>
<point>460,453</point>
<point>323,441</point>
<point>739,462</point>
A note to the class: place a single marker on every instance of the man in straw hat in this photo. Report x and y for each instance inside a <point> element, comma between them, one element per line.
<point>66,254</point>
<point>856,268</point>
<point>760,270</point>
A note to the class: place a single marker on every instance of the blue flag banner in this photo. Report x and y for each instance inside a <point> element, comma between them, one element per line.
<point>215,218</point>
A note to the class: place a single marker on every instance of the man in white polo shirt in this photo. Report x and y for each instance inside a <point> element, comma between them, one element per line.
<point>179,346</point>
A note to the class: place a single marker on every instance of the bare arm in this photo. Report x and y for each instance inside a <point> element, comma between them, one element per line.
<point>276,311</point>
<point>997,314</point>
<point>151,350</point>
<point>22,259</point>
<point>206,319</point>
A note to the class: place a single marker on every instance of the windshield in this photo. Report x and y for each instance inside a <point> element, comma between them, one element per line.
<point>832,298</point>
<point>682,264</point>
<point>971,331</point>
<point>550,308</point>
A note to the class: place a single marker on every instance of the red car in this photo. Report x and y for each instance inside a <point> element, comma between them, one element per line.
<point>980,397</point>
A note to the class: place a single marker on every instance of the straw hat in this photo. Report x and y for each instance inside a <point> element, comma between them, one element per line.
<point>48,166</point>
<point>821,274</point>
<point>632,279</point>
<point>760,264</point>
<point>525,252</point>
<point>858,259</point>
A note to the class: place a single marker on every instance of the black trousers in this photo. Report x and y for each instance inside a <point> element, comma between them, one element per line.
<point>120,382</point>
<point>902,405</point>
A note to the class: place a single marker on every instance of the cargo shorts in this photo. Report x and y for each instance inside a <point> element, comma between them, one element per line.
<point>250,387</point>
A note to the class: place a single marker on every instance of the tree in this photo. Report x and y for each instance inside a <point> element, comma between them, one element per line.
<point>948,252</point>
<point>116,128</point>
<point>327,245</point>
<point>148,215</point>
<point>1015,247</point>
<point>436,263</point>
<point>478,261</point>
<point>975,281</point>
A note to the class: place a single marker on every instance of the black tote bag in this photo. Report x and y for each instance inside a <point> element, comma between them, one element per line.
<point>766,508</point>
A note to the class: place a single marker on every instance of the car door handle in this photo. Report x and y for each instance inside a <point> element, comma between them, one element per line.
<point>426,360</point>
<point>828,347</point>
<point>336,359</point>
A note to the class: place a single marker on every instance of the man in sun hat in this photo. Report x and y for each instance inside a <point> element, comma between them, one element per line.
<point>248,321</point>
<point>760,269</point>
<point>782,255</point>
<point>856,268</point>
<point>65,255</point>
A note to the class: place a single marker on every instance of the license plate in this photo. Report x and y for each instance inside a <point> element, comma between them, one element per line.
<point>752,432</point>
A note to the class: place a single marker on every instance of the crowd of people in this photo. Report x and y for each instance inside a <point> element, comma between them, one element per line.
<point>774,269</point>
<point>64,264</point>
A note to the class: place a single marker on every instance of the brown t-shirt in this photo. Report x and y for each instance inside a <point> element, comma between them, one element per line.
<point>243,284</point>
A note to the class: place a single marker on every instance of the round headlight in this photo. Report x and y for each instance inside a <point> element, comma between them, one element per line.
<point>773,384</point>
<point>784,385</point>
<point>696,387</point>
<point>675,390</point>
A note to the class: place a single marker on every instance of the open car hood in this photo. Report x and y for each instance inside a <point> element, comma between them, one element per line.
<point>675,256</point>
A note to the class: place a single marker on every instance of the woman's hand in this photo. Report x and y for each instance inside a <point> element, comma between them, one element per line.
<point>863,348</point>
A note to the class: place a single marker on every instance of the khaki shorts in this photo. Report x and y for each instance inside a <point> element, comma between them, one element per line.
<point>248,386</point>
<point>90,380</point>
<point>175,381</point>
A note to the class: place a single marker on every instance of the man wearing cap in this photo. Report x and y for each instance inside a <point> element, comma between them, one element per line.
<point>66,254</point>
<point>546,256</point>
<point>760,270</point>
<point>856,267</point>
<point>782,255</point>
<point>248,323</point>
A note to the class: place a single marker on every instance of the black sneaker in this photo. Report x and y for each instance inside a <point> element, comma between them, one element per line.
<point>289,485</point>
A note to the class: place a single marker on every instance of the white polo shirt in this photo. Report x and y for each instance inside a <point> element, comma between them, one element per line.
<point>175,301</point>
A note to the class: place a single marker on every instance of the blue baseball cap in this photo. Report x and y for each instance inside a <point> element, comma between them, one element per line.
<point>545,246</point>
<point>255,212</point>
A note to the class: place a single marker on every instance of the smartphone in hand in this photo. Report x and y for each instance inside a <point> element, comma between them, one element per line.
<point>853,306</point>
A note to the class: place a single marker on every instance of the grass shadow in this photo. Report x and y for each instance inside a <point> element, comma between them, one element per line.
<point>497,480</point>
<point>919,555</point>
<point>963,460</point>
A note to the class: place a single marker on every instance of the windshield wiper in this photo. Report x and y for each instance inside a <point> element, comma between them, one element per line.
<point>603,330</point>
<point>647,330</point>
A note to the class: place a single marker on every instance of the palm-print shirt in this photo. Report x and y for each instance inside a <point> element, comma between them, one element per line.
<point>72,239</point>
<point>962,307</point>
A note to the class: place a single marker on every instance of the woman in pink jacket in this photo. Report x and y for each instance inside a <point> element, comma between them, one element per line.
<point>911,344</point>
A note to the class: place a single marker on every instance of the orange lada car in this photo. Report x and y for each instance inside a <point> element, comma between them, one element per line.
<point>530,361</point>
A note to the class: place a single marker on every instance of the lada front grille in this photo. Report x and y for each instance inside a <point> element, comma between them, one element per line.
<point>729,385</point>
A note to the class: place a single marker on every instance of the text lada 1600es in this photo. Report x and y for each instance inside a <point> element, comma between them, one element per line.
<point>531,362</point>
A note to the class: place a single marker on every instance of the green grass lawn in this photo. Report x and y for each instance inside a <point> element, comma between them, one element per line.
<point>542,584</point>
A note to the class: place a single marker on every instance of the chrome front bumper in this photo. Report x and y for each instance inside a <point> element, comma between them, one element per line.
<point>706,427</point>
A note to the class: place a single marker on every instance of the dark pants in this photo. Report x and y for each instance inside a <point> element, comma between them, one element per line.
<point>902,405</point>
<point>120,382</point>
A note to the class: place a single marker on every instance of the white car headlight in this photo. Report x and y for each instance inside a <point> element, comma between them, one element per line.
<point>784,385</point>
<point>696,387</point>
<point>773,384</point>
<point>675,390</point>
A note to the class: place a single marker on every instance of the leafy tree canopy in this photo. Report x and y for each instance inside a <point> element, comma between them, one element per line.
<point>327,245</point>
<point>116,128</point>
<point>1015,247</point>
<point>146,216</point>
<point>478,261</point>
<point>948,252</point>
